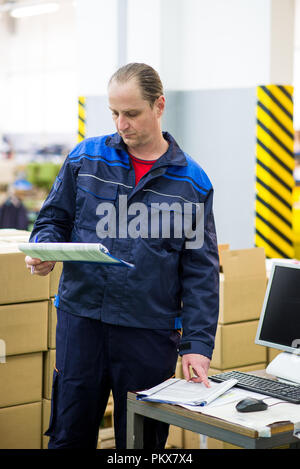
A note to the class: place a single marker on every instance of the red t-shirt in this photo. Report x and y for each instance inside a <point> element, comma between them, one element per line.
<point>141,167</point>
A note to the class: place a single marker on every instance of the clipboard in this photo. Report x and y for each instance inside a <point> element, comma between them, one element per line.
<point>72,252</point>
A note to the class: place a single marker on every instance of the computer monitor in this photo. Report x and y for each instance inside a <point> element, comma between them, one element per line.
<point>279,324</point>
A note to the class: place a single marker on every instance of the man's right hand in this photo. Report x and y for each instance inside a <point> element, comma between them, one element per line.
<point>38,267</point>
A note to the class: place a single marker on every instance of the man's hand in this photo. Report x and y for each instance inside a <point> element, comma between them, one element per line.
<point>200,366</point>
<point>38,267</point>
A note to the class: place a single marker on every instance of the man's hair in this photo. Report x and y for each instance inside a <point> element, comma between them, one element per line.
<point>147,78</point>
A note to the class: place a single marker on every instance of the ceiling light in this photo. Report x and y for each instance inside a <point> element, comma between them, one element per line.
<point>32,10</point>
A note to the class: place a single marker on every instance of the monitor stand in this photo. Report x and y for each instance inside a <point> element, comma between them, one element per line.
<point>286,367</point>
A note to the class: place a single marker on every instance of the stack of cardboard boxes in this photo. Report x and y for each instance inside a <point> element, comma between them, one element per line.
<point>27,339</point>
<point>242,290</point>
<point>23,339</point>
<point>243,283</point>
<point>27,350</point>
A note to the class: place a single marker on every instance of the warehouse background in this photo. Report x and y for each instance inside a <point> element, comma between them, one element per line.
<point>211,57</point>
<point>231,70</point>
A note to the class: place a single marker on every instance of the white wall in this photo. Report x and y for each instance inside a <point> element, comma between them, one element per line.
<point>194,44</point>
<point>97,39</point>
<point>225,43</point>
<point>282,41</point>
<point>39,74</point>
<point>143,32</point>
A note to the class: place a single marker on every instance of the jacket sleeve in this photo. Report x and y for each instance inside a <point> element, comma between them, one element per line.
<point>200,290</point>
<point>56,217</point>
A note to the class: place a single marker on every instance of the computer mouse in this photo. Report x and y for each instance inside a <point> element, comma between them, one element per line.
<point>249,404</point>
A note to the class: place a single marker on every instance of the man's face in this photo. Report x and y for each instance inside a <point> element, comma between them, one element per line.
<point>136,122</point>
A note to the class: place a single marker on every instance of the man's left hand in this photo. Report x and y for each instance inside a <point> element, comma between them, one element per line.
<point>199,364</point>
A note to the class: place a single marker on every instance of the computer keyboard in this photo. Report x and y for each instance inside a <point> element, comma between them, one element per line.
<point>269,387</point>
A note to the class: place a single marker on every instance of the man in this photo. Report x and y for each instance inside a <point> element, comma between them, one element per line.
<point>118,328</point>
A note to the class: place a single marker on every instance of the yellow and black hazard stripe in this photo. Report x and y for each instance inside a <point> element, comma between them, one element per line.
<point>274,171</point>
<point>81,118</point>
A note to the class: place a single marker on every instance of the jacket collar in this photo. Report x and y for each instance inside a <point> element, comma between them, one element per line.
<point>174,156</point>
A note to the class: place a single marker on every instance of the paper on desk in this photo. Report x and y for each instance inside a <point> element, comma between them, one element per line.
<point>179,391</point>
<point>82,252</point>
<point>282,411</point>
<point>232,395</point>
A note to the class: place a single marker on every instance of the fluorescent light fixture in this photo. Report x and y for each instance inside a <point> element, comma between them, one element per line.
<point>32,10</point>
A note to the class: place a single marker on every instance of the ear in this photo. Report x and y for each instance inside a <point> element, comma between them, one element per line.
<point>160,105</point>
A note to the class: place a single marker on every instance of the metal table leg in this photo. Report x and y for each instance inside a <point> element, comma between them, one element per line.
<point>135,429</point>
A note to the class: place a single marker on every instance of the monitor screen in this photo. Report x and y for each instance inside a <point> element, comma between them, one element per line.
<point>279,325</point>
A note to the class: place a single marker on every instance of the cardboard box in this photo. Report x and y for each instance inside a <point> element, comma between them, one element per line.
<point>191,440</point>
<point>9,239</point>
<point>272,353</point>
<point>14,240</point>
<point>20,426</point>
<point>175,438</point>
<point>212,443</point>
<point>24,327</point>
<point>242,285</point>
<point>182,439</point>
<point>54,278</point>
<point>221,248</point>
<point>21,379</point>
<point>46,405</point>
<point>106,438</point>
<point>234,346</point>
<point>52,321</point>
<point>14,235</point>
<point>178,371</point>
<point>18,285</point>
<point>110,407</point>
<point>49,364</point>
<point>254,367</point>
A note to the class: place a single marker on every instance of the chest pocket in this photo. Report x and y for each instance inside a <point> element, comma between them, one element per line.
<point>166,220</point>
<point>92,192</point>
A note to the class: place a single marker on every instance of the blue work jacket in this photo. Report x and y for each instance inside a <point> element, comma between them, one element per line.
<point>170,285</point>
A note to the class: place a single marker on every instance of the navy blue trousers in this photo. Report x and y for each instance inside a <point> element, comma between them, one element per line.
<point>92,359</point>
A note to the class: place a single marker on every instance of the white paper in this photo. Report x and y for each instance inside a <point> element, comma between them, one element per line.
<point>232,395</point>
<point>282,411</point>
<point>180,391</point>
